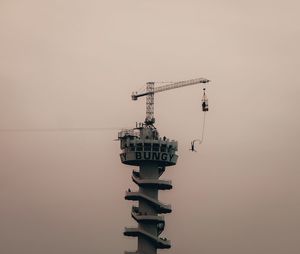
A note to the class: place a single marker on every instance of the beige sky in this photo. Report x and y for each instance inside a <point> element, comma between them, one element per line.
<point>69,64</point>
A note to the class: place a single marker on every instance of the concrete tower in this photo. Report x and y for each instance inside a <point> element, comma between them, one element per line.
<point>144,148</point>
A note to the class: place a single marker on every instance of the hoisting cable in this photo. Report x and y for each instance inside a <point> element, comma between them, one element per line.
<point>203,127</point>
<point>204,109</point>
<point>202,135</point>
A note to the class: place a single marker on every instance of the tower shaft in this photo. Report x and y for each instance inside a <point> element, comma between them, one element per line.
<point>142,147</point>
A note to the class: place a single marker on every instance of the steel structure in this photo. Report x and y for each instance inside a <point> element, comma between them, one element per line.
<point>143,147</point>
<point>151,90</point>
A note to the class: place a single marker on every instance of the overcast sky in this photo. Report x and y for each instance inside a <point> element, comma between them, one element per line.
<point>74,64</point>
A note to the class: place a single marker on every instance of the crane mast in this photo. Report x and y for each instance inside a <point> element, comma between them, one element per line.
<point>151,90</point>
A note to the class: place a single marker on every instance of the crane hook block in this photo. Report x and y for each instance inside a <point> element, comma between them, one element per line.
<point>204,101</point>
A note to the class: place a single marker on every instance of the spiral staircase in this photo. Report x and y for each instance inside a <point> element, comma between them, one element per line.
<point>143,147</point>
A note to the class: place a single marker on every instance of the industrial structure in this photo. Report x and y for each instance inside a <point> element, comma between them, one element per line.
<point>143,147</point>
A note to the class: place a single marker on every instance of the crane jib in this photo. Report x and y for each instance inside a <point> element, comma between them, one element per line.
<point>135,96</point>
<point>151,90</point>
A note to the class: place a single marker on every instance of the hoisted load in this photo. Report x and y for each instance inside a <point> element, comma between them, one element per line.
<point>193,144</point>
<point>204,101</point>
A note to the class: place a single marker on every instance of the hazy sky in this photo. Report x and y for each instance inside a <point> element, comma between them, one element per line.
<point>70,64</point>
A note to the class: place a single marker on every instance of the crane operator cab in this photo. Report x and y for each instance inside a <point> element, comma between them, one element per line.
<point>204,102</point>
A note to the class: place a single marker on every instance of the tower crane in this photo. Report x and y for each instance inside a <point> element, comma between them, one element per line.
<point>151,90</point>
<point>143,147</point>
